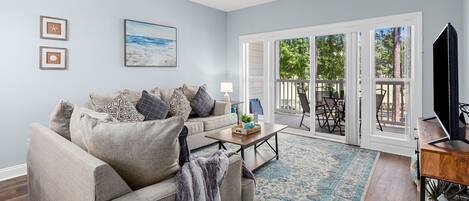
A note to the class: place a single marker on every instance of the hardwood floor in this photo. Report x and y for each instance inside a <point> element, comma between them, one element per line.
<point>390,182</point>
<point>14,189</point>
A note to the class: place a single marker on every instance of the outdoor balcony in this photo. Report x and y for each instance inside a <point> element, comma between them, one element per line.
<point>288,108</point>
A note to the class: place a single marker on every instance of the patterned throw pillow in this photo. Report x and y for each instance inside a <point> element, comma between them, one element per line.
<point>179,105</point>
<point>152,107</point>
<point>123,110</point>
<point>132,96</point>
<point>202,103</point>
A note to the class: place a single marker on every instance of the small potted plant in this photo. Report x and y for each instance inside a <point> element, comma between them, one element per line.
<point>247,122</point>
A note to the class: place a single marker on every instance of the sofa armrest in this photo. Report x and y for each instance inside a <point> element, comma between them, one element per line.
<point>230,189</point>
<point>221,108</point>
<point>60,170</point>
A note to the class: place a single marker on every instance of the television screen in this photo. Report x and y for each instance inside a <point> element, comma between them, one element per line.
<point>445,81</point>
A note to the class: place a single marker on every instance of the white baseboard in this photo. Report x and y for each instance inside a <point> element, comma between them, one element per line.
<point>12,172</point>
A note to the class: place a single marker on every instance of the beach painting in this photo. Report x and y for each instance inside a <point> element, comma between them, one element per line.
<point>150,45</point>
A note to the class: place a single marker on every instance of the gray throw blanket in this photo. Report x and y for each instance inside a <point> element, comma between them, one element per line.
<point>200,178</point>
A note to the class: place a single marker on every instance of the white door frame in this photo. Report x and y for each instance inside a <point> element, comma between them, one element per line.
<point>403,146</point>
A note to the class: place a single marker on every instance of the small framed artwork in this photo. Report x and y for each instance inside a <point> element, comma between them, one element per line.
<point>54,28</point>
<point>149,45</point>
<point>52,58</point>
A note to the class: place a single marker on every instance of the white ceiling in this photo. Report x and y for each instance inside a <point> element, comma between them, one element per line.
<point>231,5</point>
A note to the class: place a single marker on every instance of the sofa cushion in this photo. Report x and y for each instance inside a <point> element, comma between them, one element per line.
<point>162,191</point>
<point>215,122</point>
<point>76,134</point>
<point>152,107</point>
<point>190,91</point>
<point>143,153</point>
<point>179,105</point>
<point>59,120</point>
<point>194,127</point>
<point>202,103</point>
<point>123,110</point>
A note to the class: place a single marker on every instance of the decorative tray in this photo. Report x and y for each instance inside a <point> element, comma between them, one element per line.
<point>240,130</point>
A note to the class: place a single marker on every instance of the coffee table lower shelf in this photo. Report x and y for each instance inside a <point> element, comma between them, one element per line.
<point>256,159</point>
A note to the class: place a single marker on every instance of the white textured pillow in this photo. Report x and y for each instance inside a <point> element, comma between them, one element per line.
<point>60,119</point>
<point>76,134</point>
<point>143,153</point>
<point>164,94</point>
<point>98,101</point>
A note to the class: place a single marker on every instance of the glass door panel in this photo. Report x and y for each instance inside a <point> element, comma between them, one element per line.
<point>292,83</point>
<point>393,70</point>
<point>330,84</point>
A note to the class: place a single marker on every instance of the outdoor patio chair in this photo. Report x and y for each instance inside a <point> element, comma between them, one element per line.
<point>336,112</point>
<point>320,108</point>
<point>464,107</point>
<point>305,105</point>
<point>380,94</point>
<point>321,113</point>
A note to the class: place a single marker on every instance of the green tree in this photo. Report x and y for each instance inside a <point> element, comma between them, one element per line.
<point>330,57</point>
<point>295,59</point>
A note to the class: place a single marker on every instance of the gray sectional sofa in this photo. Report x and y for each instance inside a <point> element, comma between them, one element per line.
<point>58,169</point>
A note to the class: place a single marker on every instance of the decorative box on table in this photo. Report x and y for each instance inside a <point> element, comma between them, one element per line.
<point>242,129</point>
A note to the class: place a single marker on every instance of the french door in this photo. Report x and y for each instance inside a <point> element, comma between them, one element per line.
<point>362,82</point>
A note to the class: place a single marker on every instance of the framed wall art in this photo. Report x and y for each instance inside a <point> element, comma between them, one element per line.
<point>52,58</point>
<point>54,28</point>
<point>150,45</point>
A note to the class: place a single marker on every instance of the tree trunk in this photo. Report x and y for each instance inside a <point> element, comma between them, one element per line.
<point>397,74</point>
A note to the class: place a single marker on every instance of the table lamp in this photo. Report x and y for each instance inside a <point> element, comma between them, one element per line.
<point>226,87</point>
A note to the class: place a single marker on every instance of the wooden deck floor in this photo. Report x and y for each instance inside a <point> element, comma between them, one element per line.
<point>293,121</point>
<point>390,182</point>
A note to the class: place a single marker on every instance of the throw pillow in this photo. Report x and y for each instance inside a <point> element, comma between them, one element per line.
<point>163,94</point>
<point>132,96</point>
<point>142,153</point>
<point>123,110</point>
<point>179,105</point>
<point>98,101</point>
<point>76,134</point>
<point>60,119</point>
<point>190,91</point>
<point>202,103</point>
<point>152,107</point>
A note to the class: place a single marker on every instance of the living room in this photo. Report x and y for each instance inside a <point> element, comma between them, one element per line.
<point>226,67</point>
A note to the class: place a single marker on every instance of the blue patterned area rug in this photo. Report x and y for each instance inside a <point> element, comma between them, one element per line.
<point>311,169</point>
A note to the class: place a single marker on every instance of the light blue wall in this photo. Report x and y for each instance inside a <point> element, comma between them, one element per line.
<point>95,57</point>
<point>287,14</point>
<point>465,67</point>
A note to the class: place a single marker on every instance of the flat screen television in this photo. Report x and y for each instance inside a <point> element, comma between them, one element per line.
<point>445,84</point>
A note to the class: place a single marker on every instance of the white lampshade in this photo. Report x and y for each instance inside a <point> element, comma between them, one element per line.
<point>226,87</point>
